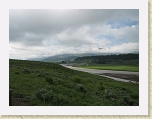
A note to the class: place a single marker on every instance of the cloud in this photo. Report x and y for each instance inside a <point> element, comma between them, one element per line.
<point>128,33</point>
<point>124,48</point>
<point>52,32</point>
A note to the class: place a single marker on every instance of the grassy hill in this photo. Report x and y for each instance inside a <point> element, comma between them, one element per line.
<point>49,84</point>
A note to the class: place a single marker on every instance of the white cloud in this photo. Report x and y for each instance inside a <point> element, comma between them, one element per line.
<point>38,33</point>
<point>124,48</point>
<point>130,34</point>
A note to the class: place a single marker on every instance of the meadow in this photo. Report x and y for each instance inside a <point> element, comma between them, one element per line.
<point>36,83</point>
<point>118,67</point>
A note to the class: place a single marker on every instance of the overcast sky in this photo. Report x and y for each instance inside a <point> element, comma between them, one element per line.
<point>42,33</point>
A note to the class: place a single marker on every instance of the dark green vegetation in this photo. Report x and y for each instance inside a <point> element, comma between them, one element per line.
<point>40,83</point>
<point>122,62</point>
<point>123,59</point>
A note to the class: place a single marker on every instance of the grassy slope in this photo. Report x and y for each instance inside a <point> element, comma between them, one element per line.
<point>113,67</point>
<point>67,87</point>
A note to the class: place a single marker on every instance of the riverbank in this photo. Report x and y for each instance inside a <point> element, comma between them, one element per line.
<point>124,76</point>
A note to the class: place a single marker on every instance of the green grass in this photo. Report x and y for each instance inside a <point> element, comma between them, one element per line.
<point>133,68</point>
<point>50,84</point>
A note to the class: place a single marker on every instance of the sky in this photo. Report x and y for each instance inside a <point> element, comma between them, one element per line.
<point>37,33</point>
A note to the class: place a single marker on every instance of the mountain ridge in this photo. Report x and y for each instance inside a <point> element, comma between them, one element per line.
<point>68,57</point>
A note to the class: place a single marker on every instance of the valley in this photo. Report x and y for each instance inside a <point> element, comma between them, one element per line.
<point>37,83</point>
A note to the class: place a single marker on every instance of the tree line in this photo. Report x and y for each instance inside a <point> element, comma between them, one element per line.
<point>103,59</point>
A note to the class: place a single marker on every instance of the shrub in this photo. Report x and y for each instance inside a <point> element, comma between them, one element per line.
<point>26,71</point>
<point>46,73</point>
<point>110,94</point>
<point>34,100</point>
<point>89,80</point>
<point>41,74</point>
<point>18,67</point>
<point>128,101</point>
<point>101,87</point>
<point>81,88</point>
<point>57,81</point>
<point>69,84</point>
<point>49,80</point>
<point>77,79</point>
<point>97,93</point>
<point>134,95</point>
<point>48,87</point>
<point>61,100</point>
<point>47,97</point>
<point>123,88</point>
<point>44,95</point>
<point>39,93</point>
<point>17,72</point>
<point>37,71</point>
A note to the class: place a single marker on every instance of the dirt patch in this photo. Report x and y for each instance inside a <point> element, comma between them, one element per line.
<point>20,101</point>
<point>124,76</point>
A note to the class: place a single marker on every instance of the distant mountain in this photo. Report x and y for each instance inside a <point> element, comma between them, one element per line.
<point>59,58</point>
<point>67,57</point>
<point>35,59</point>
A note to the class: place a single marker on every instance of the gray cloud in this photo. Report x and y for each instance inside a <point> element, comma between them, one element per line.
<point>68,29</point>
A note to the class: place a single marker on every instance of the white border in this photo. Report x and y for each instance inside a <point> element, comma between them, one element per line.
<point>5,109</point>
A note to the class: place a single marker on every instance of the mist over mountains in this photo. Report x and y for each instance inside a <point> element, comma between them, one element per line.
<point>65,57</point>
<point>69,57</point>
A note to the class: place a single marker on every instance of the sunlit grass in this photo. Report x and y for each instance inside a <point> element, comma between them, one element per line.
<point>113,67</point>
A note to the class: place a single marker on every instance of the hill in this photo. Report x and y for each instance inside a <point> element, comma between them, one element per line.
<point>35,59</point>
<point>73,57</point>
<point>36,83</point>
<point>59,58</point>
<point>67,57</point>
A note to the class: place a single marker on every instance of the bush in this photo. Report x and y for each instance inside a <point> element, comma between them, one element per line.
<point>97,93</point>
<point>128,101</point>
<point>81,88</point>
<point>101,87</point>
<point>17,72</point>
<point>123,88</point>
<point>135,95</point>
<point>57,81</point>
<point>34,100</point>
<point>41,74</point>
<point>39,93</point>
<point>44,95</point>
<point>26,71</point>
<point>77,79</point>
<point>49,80</point>
<point>61,100</point>
<point>48,87</point>
<point>46,73</point>
<point>110,94</point>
